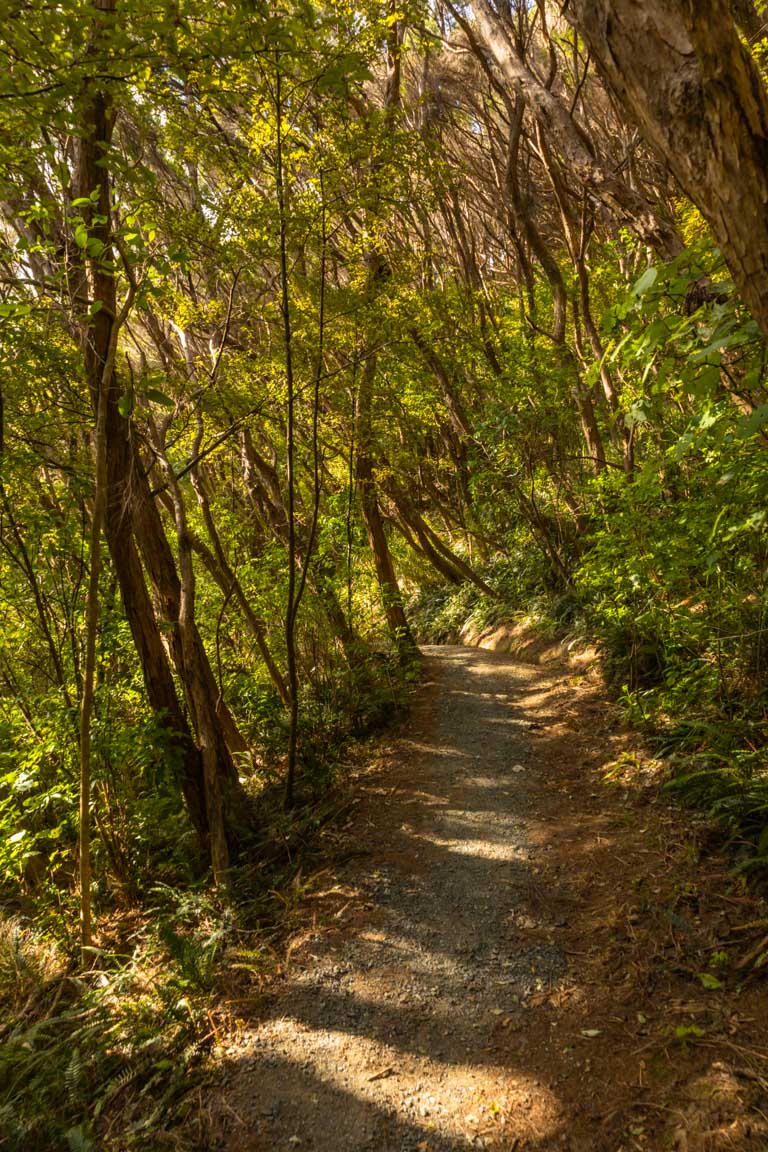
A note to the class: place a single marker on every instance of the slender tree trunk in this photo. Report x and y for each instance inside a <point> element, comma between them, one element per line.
<point>285,307</point>
<point>442,558</point>
<point>89,672</point>
<point>126,485</point>
<point>222,790</point>
<point>263,491</point>
<point>100,343</point>
<point>22,558</point>
<point>153,660</point>
<point>225,576</point>
<point>394,611</point>
<point>167,591</point>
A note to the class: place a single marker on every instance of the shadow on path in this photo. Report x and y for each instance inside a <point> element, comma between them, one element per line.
<point>405,1028</point>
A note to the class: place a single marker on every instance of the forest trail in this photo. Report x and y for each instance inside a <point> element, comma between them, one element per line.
<point>476,974</point>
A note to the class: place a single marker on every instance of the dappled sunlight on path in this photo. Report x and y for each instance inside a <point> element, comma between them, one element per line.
<point>491,968</point>
<point>385,1035</point>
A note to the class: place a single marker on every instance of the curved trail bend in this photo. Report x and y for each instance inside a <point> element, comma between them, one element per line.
<point>438,1000</point>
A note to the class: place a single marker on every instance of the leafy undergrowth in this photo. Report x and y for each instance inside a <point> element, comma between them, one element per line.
<point>443,614</point>
<point>102,1060</point>
<point>112,1059</point>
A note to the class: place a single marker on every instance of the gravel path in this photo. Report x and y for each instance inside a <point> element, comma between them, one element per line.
<point>492,966</point>
<point>383,1036</point>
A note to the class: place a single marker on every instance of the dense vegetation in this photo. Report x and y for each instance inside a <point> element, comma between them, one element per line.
<point>322,327</point>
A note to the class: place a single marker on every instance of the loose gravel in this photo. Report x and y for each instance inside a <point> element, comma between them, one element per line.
<point>382,1037</point>
<point>506,947</point>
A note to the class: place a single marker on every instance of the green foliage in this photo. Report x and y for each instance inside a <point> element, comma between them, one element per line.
<point>674,582</point>
<point>120,1043</point>
<point>609,477</point>
<point>733,787</point>
<point>441,613</point>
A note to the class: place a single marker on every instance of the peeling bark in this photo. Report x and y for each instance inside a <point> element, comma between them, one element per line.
<point>681,71</point>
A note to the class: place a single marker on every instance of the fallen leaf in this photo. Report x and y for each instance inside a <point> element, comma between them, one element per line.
<point>390,1071</point>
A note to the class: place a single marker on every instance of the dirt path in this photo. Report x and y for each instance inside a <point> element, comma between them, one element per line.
<point>465,980</point>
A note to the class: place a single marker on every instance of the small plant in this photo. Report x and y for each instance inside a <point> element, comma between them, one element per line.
<point>687,1034</point>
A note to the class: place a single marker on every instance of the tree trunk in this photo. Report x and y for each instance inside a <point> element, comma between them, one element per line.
<point>263,490</point>
<point>440,556</point>
<point>681,71</point>
<point>557,122</point>
<point>153,659</point>
<point>394,611</point>
<point>122,474</point>
<point>223,794</point>
<point>225,576</point>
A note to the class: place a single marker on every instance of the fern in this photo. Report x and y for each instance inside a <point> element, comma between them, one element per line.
<point>77,1141</point>
<point>73,1077</point>
<point>115,1086</point>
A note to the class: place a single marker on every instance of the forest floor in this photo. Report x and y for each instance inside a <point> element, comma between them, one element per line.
<point>510,948</point>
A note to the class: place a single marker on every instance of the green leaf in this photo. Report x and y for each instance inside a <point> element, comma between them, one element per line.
<point>749,425</point>
<point>593,374</point>
<point>653,335</point>
<point>688,1032</point>
<point>158,397</point>
<point>94,248</point>
<point>716,346</point>
<point>635,415</point>
<point>646,281</point>
<point>125,404</point>
<point>706,383</point>
<point>15,309</point>
<point>709,981</point>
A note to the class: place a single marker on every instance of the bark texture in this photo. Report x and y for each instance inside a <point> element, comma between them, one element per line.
<point>556,121</point>
<point>386,576</point>
<point>681,70</point>
<point>130,511</point>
